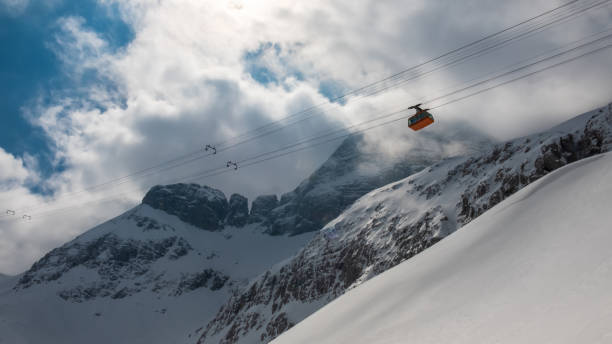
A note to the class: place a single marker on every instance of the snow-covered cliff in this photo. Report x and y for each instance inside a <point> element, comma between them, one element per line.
<point>396,222</point>
<point>536,268</point>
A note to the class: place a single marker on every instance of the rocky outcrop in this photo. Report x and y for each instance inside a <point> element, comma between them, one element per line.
<point>201,206</point>
<point>208,278</point>
<point>552,154</point>
<point>394,223</point>
<point>262,208</point>
<point>238,213</point>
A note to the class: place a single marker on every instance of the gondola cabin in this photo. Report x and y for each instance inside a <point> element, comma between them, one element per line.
<point>420,120</point>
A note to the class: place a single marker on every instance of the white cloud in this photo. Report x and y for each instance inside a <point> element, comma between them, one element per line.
<point>12,169</point>
<point>14,7</point>
<point>183,83</point>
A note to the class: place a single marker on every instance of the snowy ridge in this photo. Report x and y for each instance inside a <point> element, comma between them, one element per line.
<point>396,222</point>
<point>536,268</point>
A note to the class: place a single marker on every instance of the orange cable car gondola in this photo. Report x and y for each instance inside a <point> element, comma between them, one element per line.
<point>421,119</point>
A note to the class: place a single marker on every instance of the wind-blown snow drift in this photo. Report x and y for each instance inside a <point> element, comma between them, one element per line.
<point>536,268</point>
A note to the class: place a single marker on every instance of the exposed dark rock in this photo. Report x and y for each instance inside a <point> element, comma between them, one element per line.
<point>326,274</point>
<point>208,278</point>
<point>262,208</point>
<point>149,224</point>
<point>482,189</point>
<point>201,206</point>
<point>181,249</point>
<point>238,213</point>
<point>277,326</point>
<point>347,175</point>
<point>81,293</point>
<point>124,292</point>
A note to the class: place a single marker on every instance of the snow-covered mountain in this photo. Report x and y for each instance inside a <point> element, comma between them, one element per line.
<point>398,221</point>
<point>144,277</point>
<point>153,274</point>
<point>536,268</point>
<point>190,265</point>
<point>349,173</point>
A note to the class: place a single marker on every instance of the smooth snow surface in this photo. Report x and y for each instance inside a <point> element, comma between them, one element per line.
<point>536,268</point>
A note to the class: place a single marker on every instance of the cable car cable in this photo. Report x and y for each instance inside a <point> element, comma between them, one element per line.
<point>259,161</point>
<point>474,85</point>
<point>473,54</point>
<point>338,98</point>
<point>163,165</point>
<point>191,154</point>
<point>461,59</point>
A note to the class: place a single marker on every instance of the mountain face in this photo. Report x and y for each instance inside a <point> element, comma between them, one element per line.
<point>396,222</point>
<point>144,277</point>
<point>238,213</point>
<point>536,268</point>
<point>348,174</point>
<point>152,274</point>
<point>201,206</point>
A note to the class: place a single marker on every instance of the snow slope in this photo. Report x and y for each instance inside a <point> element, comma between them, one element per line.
<point>398,221</point>
<point>155,273</point>
<point>536,268</point>
<point>143,277</point>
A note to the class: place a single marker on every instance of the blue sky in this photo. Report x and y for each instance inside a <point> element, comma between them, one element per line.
<point>258,64</point>
<point>29,68</point>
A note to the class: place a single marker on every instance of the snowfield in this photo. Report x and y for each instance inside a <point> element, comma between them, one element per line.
<point>536,268</point>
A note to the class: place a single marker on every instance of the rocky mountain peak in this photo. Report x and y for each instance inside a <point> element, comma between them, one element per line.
<point>199,205</point>
<point>337,183</point>
<point>349,173</point>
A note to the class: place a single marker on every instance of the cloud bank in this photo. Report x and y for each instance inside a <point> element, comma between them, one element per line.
<point>199,72</point>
